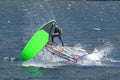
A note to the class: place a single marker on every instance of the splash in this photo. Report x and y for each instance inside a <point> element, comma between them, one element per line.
<point>96,58</point>
<point>46,59</point>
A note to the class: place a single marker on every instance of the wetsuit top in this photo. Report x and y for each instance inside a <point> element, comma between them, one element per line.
<point>57,30</point>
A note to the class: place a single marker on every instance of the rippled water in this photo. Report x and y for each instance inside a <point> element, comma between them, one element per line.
<point>92,25</point>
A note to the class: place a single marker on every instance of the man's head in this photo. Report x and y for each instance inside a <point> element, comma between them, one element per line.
<point>53,24</point>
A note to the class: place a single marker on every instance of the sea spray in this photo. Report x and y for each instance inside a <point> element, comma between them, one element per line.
<point>98,56</point>
<point>48,60</point>
<point>38,14</point>
<point>45,59</point>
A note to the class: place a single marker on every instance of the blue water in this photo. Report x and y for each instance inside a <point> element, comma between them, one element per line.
<point>92,25</point>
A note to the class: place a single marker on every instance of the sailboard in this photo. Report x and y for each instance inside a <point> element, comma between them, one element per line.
<point>38,41</point>
<point>68,53</point>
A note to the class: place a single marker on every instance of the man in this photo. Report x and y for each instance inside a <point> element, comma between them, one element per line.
<point>57,33</point>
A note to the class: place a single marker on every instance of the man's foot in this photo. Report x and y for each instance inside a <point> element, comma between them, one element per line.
<point>62,48</point>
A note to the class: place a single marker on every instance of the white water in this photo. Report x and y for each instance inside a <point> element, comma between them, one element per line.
<point>96,58</point>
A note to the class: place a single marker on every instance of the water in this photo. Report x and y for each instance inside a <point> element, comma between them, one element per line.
<point>92,25</point>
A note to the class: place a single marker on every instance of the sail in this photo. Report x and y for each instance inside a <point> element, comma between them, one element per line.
<point>49,28</point>
<point>38,41</point>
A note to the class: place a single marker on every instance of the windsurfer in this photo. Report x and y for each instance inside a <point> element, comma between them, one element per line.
<point>57,33</point>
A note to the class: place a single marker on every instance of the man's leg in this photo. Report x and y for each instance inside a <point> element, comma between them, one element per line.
<point>55,35</point>
<point>61,41</point>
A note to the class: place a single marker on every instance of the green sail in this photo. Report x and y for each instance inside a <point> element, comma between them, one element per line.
<point>37,42</point>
